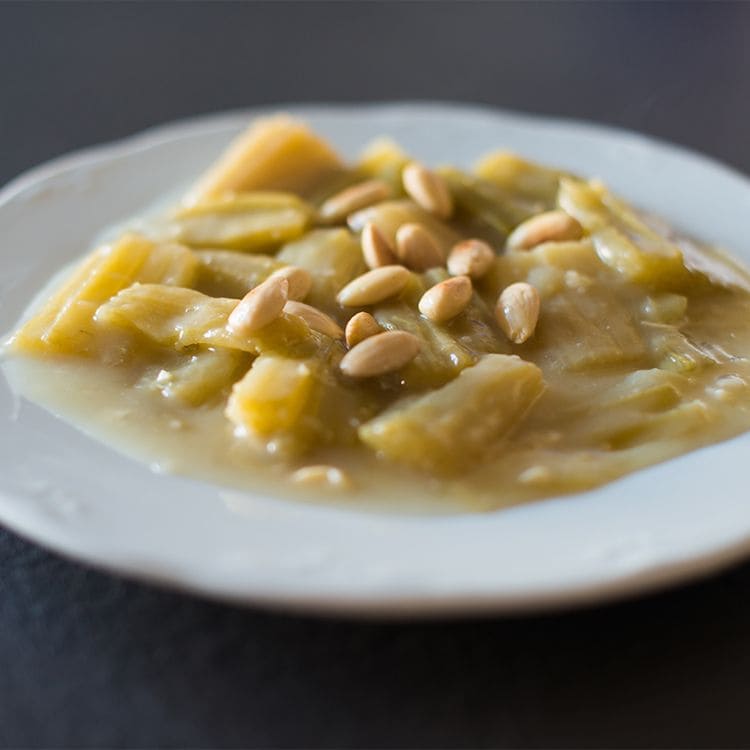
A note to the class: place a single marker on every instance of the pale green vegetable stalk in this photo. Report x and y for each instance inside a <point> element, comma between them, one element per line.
<point>242,221</point>
<point>333,257</point>
<point>226,273</point>
<point>178,318</point>
<point>205,375</point>
<point>449,429</point>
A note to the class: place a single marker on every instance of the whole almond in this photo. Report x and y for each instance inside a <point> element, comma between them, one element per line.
<point>360,327</point>
<point>551,226</point>
<point>517,311</point>
<point>427,189</point>
<point>260,306</point>
<point>416,248</point>
<point>471,258</point>
<point>300,281</point>
<point>353,198</point>
<point>316,319</point>
<point>376,249</point>
<point>380,354</point>
<point>447,299</point>
<point>320,476</point>
<point>374,286</point>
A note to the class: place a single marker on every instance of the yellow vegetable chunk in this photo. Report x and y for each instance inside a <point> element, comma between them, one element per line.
<point>672,350</point>
<point>333,257</point>
<point>622,240</point>
<point>271,398</point>
<point>384,160</point>
<point>690,417</point>
<point>274,153</point>
<point>65,324</point>
<point>226,273</point>
<point>441,357</point>
<point>520,177</point>
<point>583,201</point>
<point>652,390</point>
<point>665,308</point>
<point>170,264</point>
<point>202,377</point>
<point>483,205</point>
<point>448,430</point>
<point>578,331</point>
<point>658,269</point>
<point>177,318</point>
<point>171,317</point>
<point>251,222</point>
<point>544,266</point>
<point>290,406</point>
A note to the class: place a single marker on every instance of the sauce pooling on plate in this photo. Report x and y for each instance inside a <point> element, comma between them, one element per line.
<point>387,333</point>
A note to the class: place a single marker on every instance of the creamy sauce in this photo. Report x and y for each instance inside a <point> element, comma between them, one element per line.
<point>568,444</point>
<point>643,341</point>
<point>201,442</point>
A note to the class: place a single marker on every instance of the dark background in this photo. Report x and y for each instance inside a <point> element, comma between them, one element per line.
<point>90,660</point>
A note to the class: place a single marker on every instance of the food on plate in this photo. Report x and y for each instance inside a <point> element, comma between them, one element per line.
<point>393,330</point>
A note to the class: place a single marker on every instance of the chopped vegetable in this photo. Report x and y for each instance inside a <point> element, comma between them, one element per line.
<point>242,221</point>
<point>275,153</point>
<point>453,427</point>
<point>65,325</point>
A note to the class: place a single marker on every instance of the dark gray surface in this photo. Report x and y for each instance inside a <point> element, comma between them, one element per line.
<point>90,660</point>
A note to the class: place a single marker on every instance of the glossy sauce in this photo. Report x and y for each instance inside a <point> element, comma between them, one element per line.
<point>570,442</point>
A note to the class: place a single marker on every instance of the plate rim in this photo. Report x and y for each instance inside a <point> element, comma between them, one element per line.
<point>661,578</point>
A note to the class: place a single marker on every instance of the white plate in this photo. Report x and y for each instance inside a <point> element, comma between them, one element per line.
<point>661,525</point>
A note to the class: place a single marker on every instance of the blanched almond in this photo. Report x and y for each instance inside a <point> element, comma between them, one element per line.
<point>471,258</point>
<point>380,354</point>
<point>427,189</point>
<point>447,299</point>
<point>551,226</point>
<point>260,306</point>
<point>353,198</point>
<point>517,311</point>
<point>416,248</point>
<point>376,249</point>
<point>374,286</point>
<point>322,476</point>
<point>316,319</point>
<point>360,327</point>
<point>300,281</point>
